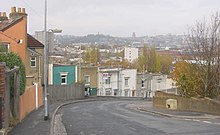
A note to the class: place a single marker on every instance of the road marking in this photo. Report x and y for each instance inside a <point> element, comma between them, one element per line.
<point>216,123</point>
<point>187,119</point>
<point>196,120</point>
<point>208,122</point>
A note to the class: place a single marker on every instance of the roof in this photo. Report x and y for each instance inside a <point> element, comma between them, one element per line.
<point>34,52</point>
<point>8,23</point>
<point>32,42</point>
<point>62,65</point>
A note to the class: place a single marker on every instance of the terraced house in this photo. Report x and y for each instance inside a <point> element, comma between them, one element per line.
<point>14,37</point>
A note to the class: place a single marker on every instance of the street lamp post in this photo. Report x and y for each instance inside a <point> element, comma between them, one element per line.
<point>46,107</point>
<point>46,112</point>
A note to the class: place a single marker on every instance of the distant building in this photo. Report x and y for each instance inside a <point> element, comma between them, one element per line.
<point>89,75</point>
<point>130,53</point>
<point>149,83</point>
<point>117,82</point>
<point>133,35</point>
<point>39,35</point>
<point>129,77</point>
<point>62,74</point>
<point>144,84</point>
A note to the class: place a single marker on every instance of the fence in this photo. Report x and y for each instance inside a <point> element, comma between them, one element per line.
<point>65,92</point>
<point>30,100</point>
<point>205,105</point>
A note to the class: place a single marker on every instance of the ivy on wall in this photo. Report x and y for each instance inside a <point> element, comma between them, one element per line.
<point>11,59</point>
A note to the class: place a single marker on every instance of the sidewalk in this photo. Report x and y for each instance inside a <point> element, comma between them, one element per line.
<point>147,106</point>
<point>34,123</point>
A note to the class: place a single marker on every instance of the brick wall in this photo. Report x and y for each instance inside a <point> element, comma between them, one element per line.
<point>2,91</point>
<point>205,105</point>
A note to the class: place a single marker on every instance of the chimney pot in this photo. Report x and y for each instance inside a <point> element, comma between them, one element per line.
<point>19,10</point>
<point>4,14</point>
<point>13,9</point>
<point>23,10</point>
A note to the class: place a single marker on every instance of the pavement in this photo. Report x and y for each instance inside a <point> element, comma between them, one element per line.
<point>148,108</point>
<point>34,123</point>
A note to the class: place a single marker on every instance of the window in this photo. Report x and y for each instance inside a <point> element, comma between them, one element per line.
<point>142,83</point>
<point>108,80</point>
<point>126,81</point>
<point>87,79</point>
<point>63,79</point>
<point>33,61</point>
<point>108,92</point>
<point>63,76</point>
<point>4,47</point>
<point>126,93</point>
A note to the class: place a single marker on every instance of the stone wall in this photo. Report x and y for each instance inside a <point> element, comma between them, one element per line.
<point>205,105</point>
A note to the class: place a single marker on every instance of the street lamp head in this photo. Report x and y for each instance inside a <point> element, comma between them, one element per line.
<point>55,30</point>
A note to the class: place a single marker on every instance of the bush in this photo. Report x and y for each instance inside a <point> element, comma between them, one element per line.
<point>12,60</point>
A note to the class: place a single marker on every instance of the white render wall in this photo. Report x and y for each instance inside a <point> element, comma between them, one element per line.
<point>131,53</point>
<point>158,83</point>
<point>50,74</point>
<point>130,89</point>
<point>117,83</point>
<point>114,81</point>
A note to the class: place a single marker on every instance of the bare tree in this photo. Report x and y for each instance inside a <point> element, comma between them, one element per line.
<point>204,42</point>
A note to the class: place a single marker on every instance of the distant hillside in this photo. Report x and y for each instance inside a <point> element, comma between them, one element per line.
<point>100,39</point>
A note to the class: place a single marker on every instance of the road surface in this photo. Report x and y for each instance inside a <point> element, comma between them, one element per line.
<point>117,118</point>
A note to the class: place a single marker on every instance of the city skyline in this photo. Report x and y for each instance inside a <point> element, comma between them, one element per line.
<point>111,17</point>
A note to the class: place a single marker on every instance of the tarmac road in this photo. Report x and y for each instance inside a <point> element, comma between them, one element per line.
<point>117,118</point>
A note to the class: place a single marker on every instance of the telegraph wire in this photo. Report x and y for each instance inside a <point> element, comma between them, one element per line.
<point>35,11</point>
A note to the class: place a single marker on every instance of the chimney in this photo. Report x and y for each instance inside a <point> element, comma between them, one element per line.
<point>19,10</point>
<point>23,10</point>
<point>3,16</point>
<point>13,9</point>
<point>16,14</point>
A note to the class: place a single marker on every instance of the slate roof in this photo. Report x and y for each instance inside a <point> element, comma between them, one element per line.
<point>32,42</point>
<point>8,23</point>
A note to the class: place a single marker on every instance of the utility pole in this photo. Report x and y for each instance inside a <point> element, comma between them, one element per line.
<point>80,57</point>
<point>46,112</point>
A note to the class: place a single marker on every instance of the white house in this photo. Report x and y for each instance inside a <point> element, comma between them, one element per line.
<point>117,82</point>
<point>158,83</point>
<point>109,82</point>
<point>130,53</point>
<point>129,77</point>
<point>149,83</point>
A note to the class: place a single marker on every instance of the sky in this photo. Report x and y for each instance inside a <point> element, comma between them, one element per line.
<point>115,17</point>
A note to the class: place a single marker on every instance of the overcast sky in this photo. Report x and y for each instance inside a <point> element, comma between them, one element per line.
<point>115,17</point>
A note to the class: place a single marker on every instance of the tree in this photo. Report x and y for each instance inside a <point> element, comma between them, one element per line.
<point>86,58</point>
<point>166,63</point>
<point>13,60</point>
<point>204,42</point>
<point>91,56</point>
<point>116,63</point>
<point>120,54</point>
<point>186,79</point>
